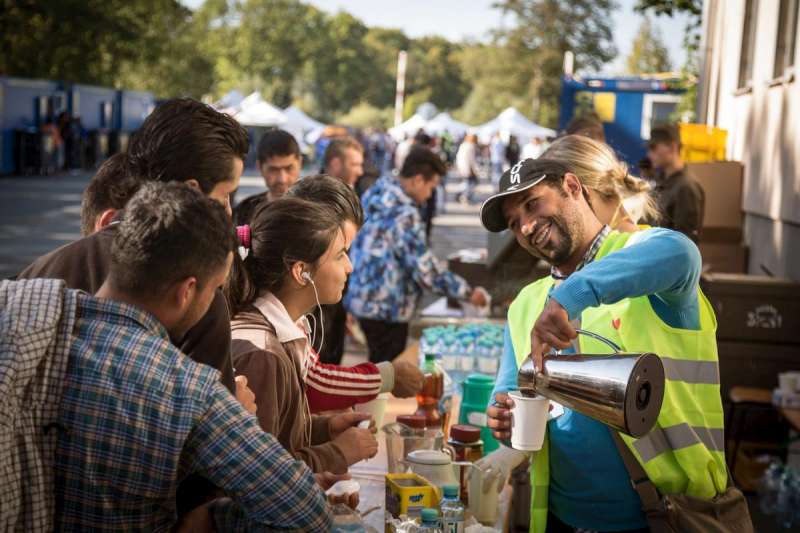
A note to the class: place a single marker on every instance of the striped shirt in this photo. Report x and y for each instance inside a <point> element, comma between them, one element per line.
<point>137,416</point>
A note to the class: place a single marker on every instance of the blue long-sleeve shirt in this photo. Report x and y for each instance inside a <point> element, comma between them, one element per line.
<point>589,486</point>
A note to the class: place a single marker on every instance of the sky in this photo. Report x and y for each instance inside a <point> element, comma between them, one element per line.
<point>463,19</point>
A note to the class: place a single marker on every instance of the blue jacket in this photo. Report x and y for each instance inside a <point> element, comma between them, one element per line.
<point>391,260</point>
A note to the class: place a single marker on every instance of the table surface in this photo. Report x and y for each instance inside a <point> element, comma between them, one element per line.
<point>370,473</point>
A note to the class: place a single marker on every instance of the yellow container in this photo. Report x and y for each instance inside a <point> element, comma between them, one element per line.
<point>702,143</point>
<point>408,494</point>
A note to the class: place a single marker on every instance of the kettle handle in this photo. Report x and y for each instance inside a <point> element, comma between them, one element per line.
<point>611,344</point>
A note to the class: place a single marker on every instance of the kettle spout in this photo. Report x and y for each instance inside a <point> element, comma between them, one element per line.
<point>526,377</point>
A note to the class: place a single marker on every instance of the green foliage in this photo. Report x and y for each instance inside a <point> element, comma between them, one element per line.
<point>691,43</point>
<point>649,54</point>
<point>364,115</point>
<point>543,31</point>
<point>85,40</point>
<point>328,64</point>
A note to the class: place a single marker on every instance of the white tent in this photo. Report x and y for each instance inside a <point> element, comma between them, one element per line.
<point>255,111</point>
<point>301,125</point>
<point>512,122</point>
<point>231,102</point>
<point>444,122</point>
<point>296,118</point>
<point>409,128</point>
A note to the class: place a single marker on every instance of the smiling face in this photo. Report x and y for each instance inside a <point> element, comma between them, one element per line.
<point>546,221</point>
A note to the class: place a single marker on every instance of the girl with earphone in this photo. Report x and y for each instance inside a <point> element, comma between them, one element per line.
<point>293,258</point>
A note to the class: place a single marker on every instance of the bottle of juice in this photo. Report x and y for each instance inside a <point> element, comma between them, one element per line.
<point>430,395</point>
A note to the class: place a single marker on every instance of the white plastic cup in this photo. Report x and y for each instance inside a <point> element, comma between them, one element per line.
<point>376,408</point>
<point>528,421</point>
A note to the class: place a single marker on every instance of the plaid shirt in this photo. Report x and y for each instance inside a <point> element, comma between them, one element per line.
<point>137,416</point>
<point>391,259</point>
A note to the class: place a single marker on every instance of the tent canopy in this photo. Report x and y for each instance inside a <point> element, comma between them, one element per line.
<point>444,122</point>
<point>512,122</point>
<point>297,119</point>
<point>408,128</point>
<point>255,111</point>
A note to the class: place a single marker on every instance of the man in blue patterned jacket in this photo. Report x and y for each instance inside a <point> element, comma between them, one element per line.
<point>391,260</point>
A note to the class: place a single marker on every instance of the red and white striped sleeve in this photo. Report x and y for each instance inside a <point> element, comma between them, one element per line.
<point>332,387</point>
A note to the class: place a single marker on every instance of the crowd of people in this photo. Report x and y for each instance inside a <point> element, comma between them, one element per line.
<point>185,354</point>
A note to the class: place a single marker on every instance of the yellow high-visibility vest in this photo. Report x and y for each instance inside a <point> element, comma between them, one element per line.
<point>685,452</point>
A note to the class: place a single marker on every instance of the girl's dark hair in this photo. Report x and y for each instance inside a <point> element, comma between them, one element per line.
<point>333,193</point>
<point>282,232</point>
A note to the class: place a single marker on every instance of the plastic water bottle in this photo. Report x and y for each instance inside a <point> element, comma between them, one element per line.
<point>769,487</point>
<point>430,522</point>
<point>786,500</point>
<point>452,510</point>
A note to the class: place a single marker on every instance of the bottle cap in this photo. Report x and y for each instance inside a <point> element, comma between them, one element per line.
<point>465,433</point>
<point>430,356</point>
<point>430,515</point>
<point>450,491</point>
<point>413,421</point>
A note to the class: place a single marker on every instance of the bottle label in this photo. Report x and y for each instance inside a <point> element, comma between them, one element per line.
<point>477,418</point>
<point>453,527</point>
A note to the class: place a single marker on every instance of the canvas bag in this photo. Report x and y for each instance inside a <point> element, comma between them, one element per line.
<point>679,513</point>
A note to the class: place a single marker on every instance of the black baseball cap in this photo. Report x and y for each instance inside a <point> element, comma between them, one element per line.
<point>521,177</point>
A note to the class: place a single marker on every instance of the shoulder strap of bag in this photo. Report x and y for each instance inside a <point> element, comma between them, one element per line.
<point>645,488</point>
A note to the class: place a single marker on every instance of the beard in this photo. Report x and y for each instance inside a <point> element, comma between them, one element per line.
<point>567,230</point>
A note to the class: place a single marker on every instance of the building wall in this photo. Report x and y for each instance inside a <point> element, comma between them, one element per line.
<point>763,124</point>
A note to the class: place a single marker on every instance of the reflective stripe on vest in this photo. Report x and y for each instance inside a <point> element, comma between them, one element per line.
<point>684,453</point>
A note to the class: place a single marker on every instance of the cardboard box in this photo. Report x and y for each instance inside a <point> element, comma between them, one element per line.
<point>722,183</point>
<point>723,257</point>
<point>754,308</point>
<point>754,364</point>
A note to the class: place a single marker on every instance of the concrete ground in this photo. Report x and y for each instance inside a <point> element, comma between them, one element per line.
<point>41,213</point>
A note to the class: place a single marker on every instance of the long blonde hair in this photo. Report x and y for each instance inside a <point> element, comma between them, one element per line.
<point>598,168</point>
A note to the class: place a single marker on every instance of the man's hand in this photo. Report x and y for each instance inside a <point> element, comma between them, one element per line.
<point>338,424</point>
<point>500,416</point>
<point>245,395</point>
<point>326,480</point>
<point>408,379</point>
<point>551,330</point>
<point>356,444</point>
<point>478,297</point>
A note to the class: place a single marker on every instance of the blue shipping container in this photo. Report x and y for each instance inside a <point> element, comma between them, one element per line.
<point>24,104</point>
<point>95,105</point>
<point>133,108</point>
<point>627,107</point>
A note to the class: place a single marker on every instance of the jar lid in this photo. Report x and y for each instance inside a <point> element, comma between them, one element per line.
<point>429,515</point>
<point>465,433</point>
<point>412,421</point>
<point>429,457</point>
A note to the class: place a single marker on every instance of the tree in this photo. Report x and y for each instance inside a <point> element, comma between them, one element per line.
<point>542,32</point>
<point>649,54</point>
<point>85,41</point>
<point>383,45</point>
<point>691,43</point>
<point>365,115</point>
<point>433,67</point>
<point>340,67</point>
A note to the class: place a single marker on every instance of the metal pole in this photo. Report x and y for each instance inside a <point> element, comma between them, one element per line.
<point>401,87</point>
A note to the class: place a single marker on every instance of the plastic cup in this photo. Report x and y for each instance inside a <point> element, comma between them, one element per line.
<point>376,408</point>
<point>528,421</point>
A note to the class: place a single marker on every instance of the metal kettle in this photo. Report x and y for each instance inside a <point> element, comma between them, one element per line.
<point>623,390</point>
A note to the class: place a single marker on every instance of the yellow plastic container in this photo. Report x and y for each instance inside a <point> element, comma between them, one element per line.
<point>702,143</point>
<point>408,494</point>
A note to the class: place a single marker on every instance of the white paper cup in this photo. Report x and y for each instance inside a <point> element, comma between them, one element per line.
<point>376,408</point>
<point>528,421</point>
